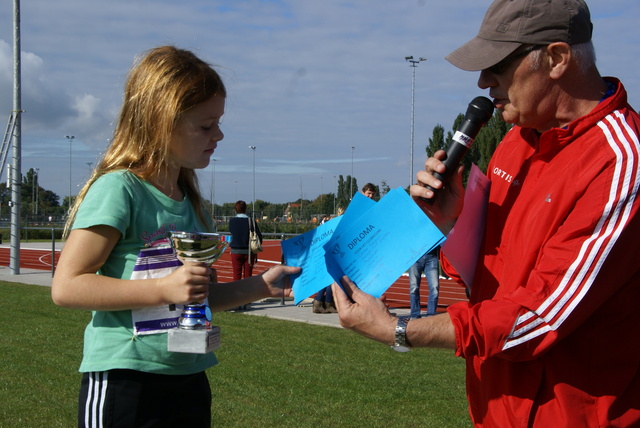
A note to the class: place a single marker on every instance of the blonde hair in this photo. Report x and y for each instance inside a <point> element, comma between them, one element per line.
<point>161,86</point>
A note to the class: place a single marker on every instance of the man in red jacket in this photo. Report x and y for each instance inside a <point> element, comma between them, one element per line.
<point>550,332</point>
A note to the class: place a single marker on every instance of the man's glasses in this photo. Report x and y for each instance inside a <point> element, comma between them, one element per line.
<point>504,65</point>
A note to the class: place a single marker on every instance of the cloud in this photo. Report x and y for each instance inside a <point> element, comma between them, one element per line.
<point>306,80</point>
<point>47,106</point>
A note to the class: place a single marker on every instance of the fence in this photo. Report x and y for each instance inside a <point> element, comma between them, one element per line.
<point>397,295</point>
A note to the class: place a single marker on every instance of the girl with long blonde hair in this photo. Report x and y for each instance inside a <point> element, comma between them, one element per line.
<point>116,260</point>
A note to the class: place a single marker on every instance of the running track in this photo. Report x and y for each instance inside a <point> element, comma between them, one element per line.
<point>397,295</point>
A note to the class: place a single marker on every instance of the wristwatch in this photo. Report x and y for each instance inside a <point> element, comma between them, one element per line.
<point>400,344</point>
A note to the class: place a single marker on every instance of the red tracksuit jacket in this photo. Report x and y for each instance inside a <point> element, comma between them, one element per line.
<point>551,334</point>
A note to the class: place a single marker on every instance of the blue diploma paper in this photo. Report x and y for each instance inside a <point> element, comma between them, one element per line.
<point>307,252</point>
<point>373,243</point>
<point>373,250</point>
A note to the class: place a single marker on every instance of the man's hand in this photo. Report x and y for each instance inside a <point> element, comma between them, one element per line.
<point>368,316</point>
<point>363,313</point>
<point>447,205</point>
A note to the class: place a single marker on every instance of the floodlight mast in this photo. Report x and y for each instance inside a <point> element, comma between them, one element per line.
<point>16,167</point>
<point>413,63</point>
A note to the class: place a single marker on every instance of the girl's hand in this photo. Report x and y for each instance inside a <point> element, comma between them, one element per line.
<point>277,280</point>
<point>187,284</point>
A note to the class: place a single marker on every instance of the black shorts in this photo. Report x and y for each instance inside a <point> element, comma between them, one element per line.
<point>128,398</point>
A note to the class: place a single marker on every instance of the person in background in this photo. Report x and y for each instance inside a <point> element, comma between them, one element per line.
<point>323,302</point>
<point>242,259</point>
<point>369,190</point>
<point>549,333</point>
<point>428,263</point>
<point>117,261</point>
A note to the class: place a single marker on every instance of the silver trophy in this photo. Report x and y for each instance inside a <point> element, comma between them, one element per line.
<point>194,333</point>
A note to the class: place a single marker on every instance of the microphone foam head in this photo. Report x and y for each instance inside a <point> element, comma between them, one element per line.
<point>480,110</point>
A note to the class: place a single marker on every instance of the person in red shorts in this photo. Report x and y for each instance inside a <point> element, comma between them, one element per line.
<point>242,260</point>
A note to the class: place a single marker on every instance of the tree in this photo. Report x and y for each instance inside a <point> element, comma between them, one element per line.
<point>470,157</point>
<point>28,192</point>
<point>352,186</point>
<point>5,197</point>
<point>47,200</point>
<point>483,146</point>
<point>489,138</point>
<point>436,142</point>
<point>226,209</point>
<point>384,188</point>
<point>272,211</point>
<point>323,204</point>
<point>346,189</point>
<point>31,193</point>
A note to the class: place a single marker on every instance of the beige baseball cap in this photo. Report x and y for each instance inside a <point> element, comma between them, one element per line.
<point>509,24</point>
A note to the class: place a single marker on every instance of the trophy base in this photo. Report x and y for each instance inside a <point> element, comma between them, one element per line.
<point>193,341</point>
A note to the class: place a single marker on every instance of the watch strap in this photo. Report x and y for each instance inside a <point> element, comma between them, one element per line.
<point>400,344</point>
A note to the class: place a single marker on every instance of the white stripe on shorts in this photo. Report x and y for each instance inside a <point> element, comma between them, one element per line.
<point>94,406</point>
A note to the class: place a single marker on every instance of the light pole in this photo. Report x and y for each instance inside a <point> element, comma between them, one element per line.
<point>37,171</point>
<point>254,181</point>
<point>351,181</point>
<point>70,138</point>
<point>34,193</point>
<point>89,164</point>
<point>335,197</point>
<point>16,164</point>
<point>413,64</point>
<point>213,190</point>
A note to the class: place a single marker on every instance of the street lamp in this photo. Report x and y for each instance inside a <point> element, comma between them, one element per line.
<point>351,181</point>
<point>335,197</point>
<point>213,190</point>
<point>34,193</point>
<point>70,138</point>
<point>89,164</point>
<point>413,64</point>
<point>254,181</point>
<point>37,193</point>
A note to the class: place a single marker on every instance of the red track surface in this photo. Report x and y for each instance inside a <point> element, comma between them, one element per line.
<point>29,258</point>
<point>397,295</point>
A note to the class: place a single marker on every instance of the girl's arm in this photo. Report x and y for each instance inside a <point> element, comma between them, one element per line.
<point>76,284</point>
<point>274,282</point>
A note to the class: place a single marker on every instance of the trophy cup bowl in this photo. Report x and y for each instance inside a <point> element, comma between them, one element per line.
<point>203,248</point>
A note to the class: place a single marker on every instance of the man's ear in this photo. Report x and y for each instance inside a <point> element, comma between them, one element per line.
<point>559,56</point>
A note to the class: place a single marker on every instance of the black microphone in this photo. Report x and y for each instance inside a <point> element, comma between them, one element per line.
<point>478,114</point>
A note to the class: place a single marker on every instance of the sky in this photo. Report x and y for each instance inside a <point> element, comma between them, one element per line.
<point>320,88</point>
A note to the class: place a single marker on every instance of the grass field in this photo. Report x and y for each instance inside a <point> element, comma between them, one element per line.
<point>272,373</point>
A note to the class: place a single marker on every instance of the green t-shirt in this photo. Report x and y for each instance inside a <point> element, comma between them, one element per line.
<point>143,215</point>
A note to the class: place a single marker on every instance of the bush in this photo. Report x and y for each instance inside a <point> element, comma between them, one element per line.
<point>276,227</point>
<point>32,234</point>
